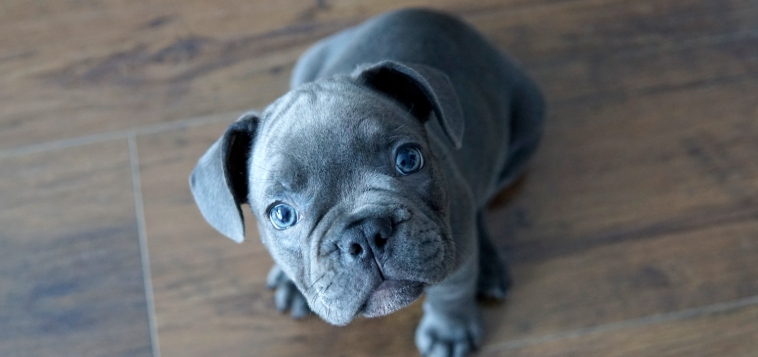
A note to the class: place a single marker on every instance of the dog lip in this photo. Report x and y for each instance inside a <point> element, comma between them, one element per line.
<point>390,296</point>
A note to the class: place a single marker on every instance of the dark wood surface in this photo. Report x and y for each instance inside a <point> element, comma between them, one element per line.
<point>635,232</point>
<point>71,282</point>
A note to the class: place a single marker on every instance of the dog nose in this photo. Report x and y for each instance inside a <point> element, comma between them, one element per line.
<point>367,236</point>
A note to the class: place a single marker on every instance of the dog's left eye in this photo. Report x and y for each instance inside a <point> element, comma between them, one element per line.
<point>282,216</point>
<point>408,160</point>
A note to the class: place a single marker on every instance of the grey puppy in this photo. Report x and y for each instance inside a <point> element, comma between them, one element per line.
<point>367,189</point>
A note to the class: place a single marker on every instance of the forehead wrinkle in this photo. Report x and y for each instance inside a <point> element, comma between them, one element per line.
<point>284,104</point>
<point>310,126</point>
<point>288,177</point>
<point>389,120</point>
<point>360,139</point>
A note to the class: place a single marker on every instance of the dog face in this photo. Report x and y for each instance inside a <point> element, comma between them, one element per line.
<point>349,200</point>
<point>346,189</point>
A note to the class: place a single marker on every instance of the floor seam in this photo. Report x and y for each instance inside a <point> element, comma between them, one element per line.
<point>627,324</point>
<point>118,134</point>
<point>142,235</point>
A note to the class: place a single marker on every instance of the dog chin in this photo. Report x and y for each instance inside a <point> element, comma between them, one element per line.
<point>390,296</point>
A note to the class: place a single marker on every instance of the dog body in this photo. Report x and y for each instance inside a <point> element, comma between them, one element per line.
<point>369,179</point>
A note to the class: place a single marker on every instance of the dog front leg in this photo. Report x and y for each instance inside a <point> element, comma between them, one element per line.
<point>287,297</point>
<point>451,326</point>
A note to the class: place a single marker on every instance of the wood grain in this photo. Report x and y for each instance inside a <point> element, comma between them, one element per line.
<point>672,161</point>
<point>210,295</point>
<point>616,220</point>
<point>109,65</point>
<point>726,333</point>
<point>628,280</point>
<point>642,200</point>
<point>70,277</point>
<point>605,51</point>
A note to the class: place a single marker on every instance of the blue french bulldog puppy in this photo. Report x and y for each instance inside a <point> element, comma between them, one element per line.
<point>370,178</point>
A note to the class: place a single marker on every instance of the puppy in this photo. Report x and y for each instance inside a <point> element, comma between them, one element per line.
<point>370,178</point>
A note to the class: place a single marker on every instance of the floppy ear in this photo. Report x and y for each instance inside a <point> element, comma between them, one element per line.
<point>220,179</point>
<point>421,89</point>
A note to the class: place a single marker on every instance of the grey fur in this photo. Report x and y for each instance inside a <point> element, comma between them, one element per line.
<point>327,148</point>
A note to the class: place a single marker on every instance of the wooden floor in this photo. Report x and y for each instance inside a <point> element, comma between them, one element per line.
<point>635,232</point>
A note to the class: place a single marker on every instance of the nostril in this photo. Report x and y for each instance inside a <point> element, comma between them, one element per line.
<point>355,249</point>
<point>380,241</point>
<point>378,231</point>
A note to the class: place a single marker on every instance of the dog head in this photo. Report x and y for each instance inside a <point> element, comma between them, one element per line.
<point>348,195</point>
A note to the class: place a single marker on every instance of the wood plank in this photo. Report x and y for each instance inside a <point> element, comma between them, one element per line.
<point>731,332</point>
<point>650,164</point>
<point>606,284</point>
<point>595,185</point>
<point>70,275</point>
<point>607,51</point>
<point>109,65</point>
<point>210,295</point>
<point>642,200</point>
<point>615,174</point>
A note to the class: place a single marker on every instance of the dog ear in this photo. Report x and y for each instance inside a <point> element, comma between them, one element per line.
<point>219,182</point>
<point>421,89</point>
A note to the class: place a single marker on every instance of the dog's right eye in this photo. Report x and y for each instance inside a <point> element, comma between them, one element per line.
<point>282,216</point>
<point>408,160</point>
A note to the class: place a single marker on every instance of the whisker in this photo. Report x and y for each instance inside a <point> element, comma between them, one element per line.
<point>314,283</point>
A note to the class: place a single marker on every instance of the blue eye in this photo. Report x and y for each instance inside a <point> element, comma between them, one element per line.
<point>408,160</point>
<point>282,216</point>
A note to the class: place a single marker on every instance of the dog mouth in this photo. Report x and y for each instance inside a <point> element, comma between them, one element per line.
<point>390,296</point>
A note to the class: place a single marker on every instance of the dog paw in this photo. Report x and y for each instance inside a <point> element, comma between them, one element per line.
<point>494,278</point>
<point>442,336</point>
<point>287,296</point>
